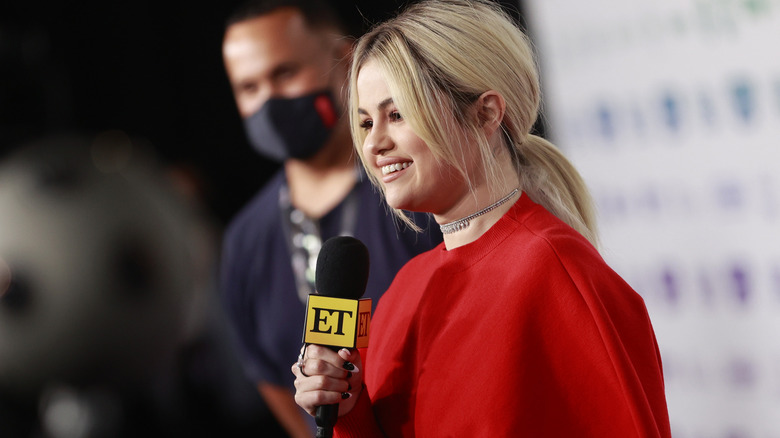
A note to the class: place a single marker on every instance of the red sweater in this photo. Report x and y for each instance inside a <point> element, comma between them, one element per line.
<point>525,332</point>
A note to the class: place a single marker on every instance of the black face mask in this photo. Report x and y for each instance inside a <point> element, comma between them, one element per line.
<point>292,128</point>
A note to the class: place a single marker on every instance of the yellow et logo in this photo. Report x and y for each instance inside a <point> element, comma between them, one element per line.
<point>337,322</point>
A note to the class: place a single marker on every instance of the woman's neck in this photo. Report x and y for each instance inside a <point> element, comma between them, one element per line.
<point>485,211</point>
<point>481,206</point>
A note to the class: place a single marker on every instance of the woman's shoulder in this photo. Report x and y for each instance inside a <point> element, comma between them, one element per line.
<point>568,258</point>
<point>541,234</point>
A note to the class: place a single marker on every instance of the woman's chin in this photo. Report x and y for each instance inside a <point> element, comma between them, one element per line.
<point>396,202</point>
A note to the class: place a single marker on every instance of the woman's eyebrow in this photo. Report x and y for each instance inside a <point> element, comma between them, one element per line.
<point>382,105</point>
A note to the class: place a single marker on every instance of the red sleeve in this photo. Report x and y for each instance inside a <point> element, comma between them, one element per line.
<point>596,367</point>
<point>359,422</point>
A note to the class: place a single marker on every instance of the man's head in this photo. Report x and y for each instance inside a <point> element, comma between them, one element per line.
<point>284,48</point>
<point>287,62</point>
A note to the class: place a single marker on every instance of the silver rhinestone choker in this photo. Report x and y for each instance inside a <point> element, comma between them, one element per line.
<point>463,223</point>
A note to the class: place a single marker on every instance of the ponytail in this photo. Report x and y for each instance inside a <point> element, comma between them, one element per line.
<point>550,180</point>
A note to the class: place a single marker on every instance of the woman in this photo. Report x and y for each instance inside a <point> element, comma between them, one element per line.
<point>514,326</point>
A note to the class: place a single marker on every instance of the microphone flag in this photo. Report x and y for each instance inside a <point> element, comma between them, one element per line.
<point>337,322</point>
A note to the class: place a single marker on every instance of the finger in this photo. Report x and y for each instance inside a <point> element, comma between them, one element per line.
<point>321,360</point>
<point>322,383</point>
<point>345,354</point>
<point>320,390</point>
<point>310,400</point>
<point>349,357</point>
<point>315,351</point>
<point>304,382</point>
<point>297,370</point>
<point>316,367</point>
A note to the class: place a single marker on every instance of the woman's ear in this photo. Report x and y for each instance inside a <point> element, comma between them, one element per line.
<point>490,110</point>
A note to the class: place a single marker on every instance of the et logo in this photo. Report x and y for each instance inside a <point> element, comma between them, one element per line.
<point>337,322</point>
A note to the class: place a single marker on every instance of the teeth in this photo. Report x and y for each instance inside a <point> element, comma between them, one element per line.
<point>390,168</point>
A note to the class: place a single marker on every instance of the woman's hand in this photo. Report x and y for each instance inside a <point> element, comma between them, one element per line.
<point>325,377</point>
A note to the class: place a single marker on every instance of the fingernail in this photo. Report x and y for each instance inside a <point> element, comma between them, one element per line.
<point>349,366</point>
<point>345,395</point>
<point>349,387</point>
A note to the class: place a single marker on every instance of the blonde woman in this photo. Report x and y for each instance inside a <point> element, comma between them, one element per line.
<point>515,325</point>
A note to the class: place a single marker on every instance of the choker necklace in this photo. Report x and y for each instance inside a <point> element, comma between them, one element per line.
<point>463,223</point>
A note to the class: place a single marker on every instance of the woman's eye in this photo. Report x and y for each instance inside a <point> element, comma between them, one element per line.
<point>366,124</point>
<point>395,116</point>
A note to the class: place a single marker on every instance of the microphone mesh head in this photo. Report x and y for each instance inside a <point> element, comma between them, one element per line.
<point>342,268</point>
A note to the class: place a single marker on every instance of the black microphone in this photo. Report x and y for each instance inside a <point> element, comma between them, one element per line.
<point>336,316</point>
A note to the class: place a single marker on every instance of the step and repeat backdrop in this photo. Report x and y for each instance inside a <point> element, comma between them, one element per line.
<point>671,110</point>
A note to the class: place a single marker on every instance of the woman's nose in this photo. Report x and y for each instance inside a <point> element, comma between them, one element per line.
<point>377,143</point>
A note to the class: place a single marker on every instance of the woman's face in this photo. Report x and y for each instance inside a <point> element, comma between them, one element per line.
<point>412,177</point>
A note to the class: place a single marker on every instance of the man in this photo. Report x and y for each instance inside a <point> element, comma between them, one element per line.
<point>287,62</point>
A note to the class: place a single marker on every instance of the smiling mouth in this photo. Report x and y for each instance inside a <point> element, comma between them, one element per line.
<point>391,168</point>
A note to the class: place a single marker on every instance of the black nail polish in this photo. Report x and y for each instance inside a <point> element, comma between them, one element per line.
<point>345,395</point>
<point>348,366</point>
<point>349,374</point>
<point>349,387</point>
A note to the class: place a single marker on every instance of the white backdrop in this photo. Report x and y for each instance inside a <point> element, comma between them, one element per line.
<point>671,110</point>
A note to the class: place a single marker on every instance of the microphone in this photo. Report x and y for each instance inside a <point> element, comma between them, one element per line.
<point>336,316</point>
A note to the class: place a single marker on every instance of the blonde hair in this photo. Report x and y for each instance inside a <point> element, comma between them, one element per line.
<point>438,57</point>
